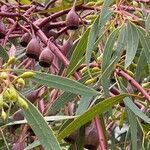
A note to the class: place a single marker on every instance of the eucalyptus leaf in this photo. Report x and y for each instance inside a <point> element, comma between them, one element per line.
<point>99,108</point>
<point>40,127</point>
<point>64,84</point>
<point>78,53</point>
<point>133,128</point>
<point>3,54</point>
<point>145,41</point>
<point>132,44</point>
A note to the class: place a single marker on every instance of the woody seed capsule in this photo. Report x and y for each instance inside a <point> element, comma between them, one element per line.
<point>25,40</point>
<point>72,19</point>
<point>67,46</point>
<point>33,49</point>
<point>46,58</point>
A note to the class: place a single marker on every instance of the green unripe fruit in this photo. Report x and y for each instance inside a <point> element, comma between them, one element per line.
<point>3,115</point>
<point>13,94</point>
<point>135,4</point>
<point>83,70</point>
<point>22,103</point>
<point>90,3</point>
<point>6,95</point>
<point>1,101</point>
<point>3,75</point>
<point>99,3</point>
<point>90,81</point>
<point>95,69</point>
<point>21,81</point>
<point>90,17</point>
<point>11,61</point>
<point>100,58</point>
<point>27,74</point>
<point>146,85</point>
<point>130,73</point>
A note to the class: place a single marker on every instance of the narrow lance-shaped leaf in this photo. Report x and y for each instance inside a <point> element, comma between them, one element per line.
<point>121,43</point>
<point>64,84</point>
<point>61,101</point>
<point>91,39</point>
<point>108,49</point>
<point>105,14</point>
<point>132,44</point>
<point>3,54</point>
<point>88,115</point>
<point>129,103</point>
<point>66,97</point>
<point>78,53</point>
<point>133,128</point>
<point>40,127</point>
<point>104,78</point>
<point>145,41</point>
<point>142,62</point>
<point>147,23</point>
<point>96,28</point>
<point>83,105</point>
<point>33,145</point>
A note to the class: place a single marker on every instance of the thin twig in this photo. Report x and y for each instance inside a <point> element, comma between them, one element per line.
<point>133,83</point>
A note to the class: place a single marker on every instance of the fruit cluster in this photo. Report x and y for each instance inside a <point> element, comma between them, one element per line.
<point>44,55</point>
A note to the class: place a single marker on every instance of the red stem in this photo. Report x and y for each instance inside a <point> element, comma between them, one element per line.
<point>133,83</point>
<point>54,49</point>
<point>101,136</point>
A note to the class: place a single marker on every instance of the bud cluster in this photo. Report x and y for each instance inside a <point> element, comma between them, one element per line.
<point>9,86</point>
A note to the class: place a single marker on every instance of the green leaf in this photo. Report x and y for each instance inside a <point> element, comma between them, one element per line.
<point>133,128</point>
<point>106,61</point>
<point>132,44</point>
<point>83,105</point>
<point>89,114</point>
<point>121,43</point>
<point>129,103</point>
<point>142,62</point>
<point>64,84</point>
<point>147,23</point>
<point>104,78</point>
<point>40,127</point>
<point>61,101</point>
<point>78,53</point>
<point>3,54</point>
<point>33,145</point>
<point>66,97</point>
<point>108,49</point>
<point>105,14</point>
<point>145,41</point>
<point>47,119</point>
<point>91,39</point>
<point>96,29</point>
